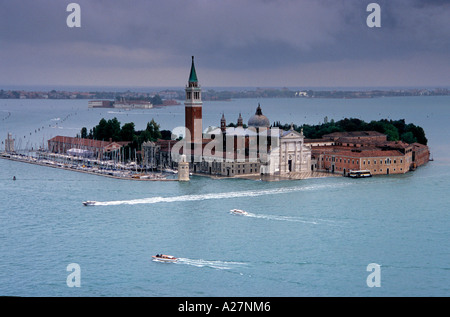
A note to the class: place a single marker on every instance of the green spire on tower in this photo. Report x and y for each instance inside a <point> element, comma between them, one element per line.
<point>193,75</point>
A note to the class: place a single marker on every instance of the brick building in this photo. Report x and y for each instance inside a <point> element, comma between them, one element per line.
<point>367,150</point>
<point>62,144</point>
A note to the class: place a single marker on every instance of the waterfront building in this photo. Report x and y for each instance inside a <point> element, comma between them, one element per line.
<point>95,148</point>
<point>289,154</point>
<point>100,104</point>
<point>367,150</point>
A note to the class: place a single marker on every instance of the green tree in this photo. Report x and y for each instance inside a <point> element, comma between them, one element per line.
<point>127,132</point>
<point>100,130</point>
<point>113,129</point>
<point>153,129</point>
<point>84,134</point>
<point>408,137</point>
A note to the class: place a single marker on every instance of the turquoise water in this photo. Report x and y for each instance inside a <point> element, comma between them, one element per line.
<point>311,237</point>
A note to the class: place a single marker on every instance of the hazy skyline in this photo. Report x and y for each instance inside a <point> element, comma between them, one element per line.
<point>235,43</point>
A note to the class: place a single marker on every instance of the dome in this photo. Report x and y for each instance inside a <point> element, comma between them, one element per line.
<point>258,119</point>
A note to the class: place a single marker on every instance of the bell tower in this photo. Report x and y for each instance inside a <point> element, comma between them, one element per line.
<point>193,109</point>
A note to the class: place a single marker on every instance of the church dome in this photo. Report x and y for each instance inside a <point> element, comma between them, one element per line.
<point>258,119</point>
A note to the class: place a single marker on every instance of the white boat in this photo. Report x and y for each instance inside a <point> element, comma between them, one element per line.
<point>171,171</point>
<point>164,258</point>
<point>239,212</point>
<point>89,203</point>
<point>359,174</point>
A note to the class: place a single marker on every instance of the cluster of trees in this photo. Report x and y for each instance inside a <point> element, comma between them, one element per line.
<point>112,129</point>
<point>394,129</point>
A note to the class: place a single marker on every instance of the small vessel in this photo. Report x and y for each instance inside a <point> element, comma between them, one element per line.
<point>89,203</point>
<point>359,174</point>
<point>164,258</point>
<point>239,212</point>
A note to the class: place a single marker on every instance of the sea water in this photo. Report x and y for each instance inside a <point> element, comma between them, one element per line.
<point>314,237</point>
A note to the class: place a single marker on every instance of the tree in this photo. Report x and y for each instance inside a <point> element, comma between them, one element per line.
<point>156,100</point>
<point>153,129</point>
<point>84,133</point>
<point>408,137</point>
<point>99,130</point>
<point>113,129</point>
<point>127,132</point>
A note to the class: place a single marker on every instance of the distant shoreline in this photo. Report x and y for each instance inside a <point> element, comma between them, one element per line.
<point>224,94</point>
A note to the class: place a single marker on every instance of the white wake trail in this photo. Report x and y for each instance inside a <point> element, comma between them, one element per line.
<point>220,265</point>
<point>248,193</point>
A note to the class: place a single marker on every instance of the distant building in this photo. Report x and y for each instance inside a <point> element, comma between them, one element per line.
<point>84,147</point>
<point>122,104</point>
<point>100,103</point>
<point>9,144</point>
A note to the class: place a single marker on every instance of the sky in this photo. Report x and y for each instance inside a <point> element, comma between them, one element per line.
<point>250,43</point>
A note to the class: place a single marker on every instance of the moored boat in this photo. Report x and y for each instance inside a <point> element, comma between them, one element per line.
<point>164,258</point>
<point>359,174</point>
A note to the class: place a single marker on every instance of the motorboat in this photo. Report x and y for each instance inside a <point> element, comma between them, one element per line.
<point>359,174</point>
<point>89,203</point>
<point>164,258</point>
<point>239,212</point>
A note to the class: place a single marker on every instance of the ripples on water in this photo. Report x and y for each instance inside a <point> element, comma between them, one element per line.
<point>300,238</point>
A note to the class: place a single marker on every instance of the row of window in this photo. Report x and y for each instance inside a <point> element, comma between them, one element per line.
<point>238,171</point>
<point>386,161</point>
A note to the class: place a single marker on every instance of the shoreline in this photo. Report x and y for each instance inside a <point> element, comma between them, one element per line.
<point>253,177</point>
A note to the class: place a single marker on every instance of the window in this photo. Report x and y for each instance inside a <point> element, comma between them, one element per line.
<point>374,161</point>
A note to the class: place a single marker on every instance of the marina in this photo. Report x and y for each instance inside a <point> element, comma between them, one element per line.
<point>100,168</point>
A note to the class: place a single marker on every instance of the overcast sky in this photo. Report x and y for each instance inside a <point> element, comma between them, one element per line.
<point>297,43</point>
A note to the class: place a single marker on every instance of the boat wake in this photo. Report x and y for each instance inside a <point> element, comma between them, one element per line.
<point>245,193</point>
<point>219,265</point>
<point>280,218</point>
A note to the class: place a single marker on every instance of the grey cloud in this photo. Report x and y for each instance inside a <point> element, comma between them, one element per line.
<point>228,35</point>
